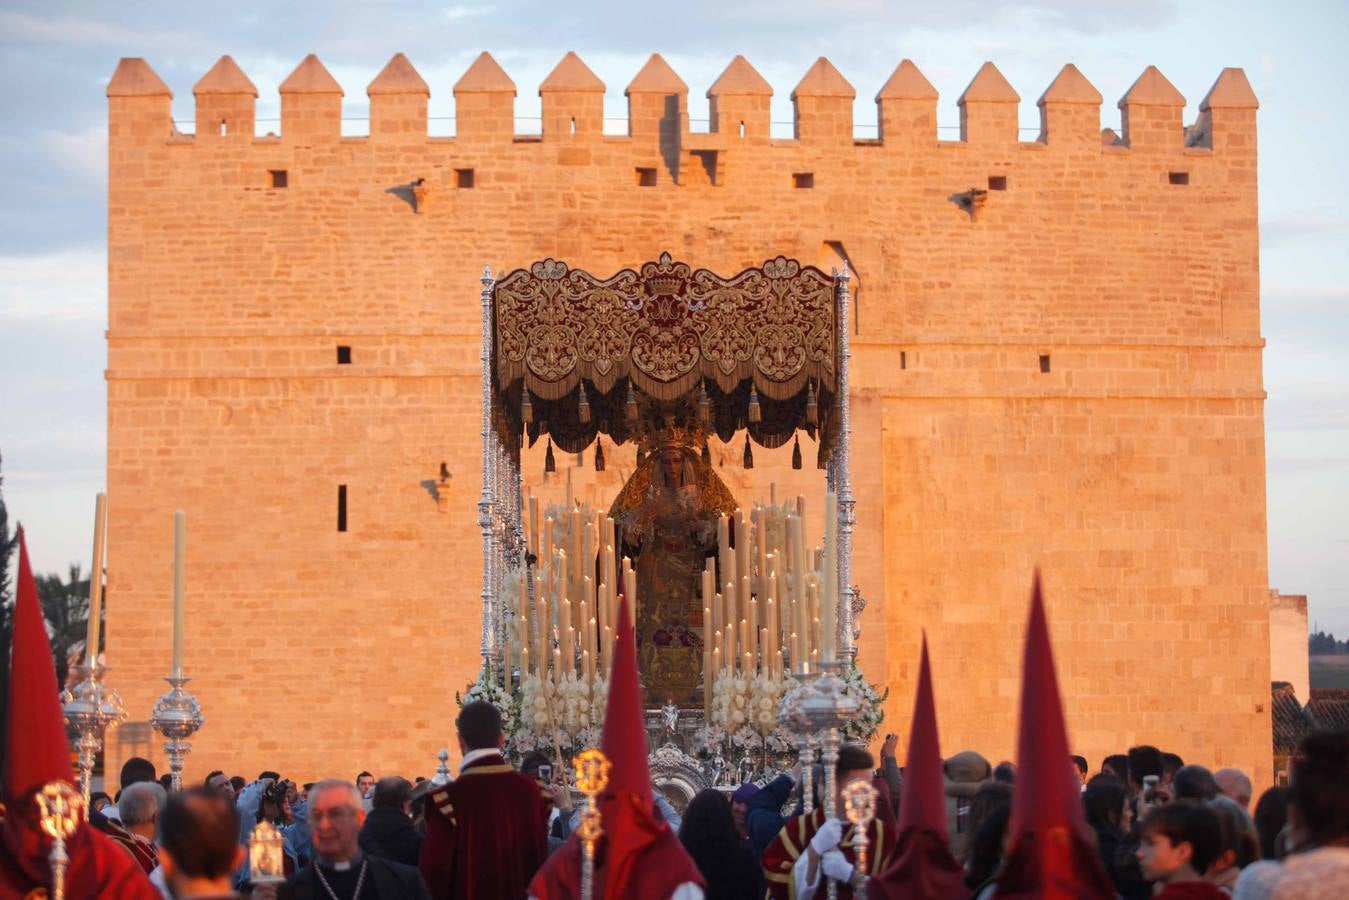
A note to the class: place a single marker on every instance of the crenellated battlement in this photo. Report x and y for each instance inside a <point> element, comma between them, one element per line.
<point>658,109</point>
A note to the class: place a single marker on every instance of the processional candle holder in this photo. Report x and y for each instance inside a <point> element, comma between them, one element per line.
<point>177,716</point>
<point>859,801</point>
<point>592,777</point>
<point>266,854</point>
<point>90,708</point>
<point>60,808</point>
<point>819,705</point>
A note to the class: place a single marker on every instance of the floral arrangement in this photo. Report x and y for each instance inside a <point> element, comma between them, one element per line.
<point>871,706</point>
<point>488,687</point>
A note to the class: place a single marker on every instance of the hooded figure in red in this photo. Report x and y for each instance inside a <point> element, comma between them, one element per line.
<point>921,867</point>
<point>639,857</point>
<point>39,753</point>
<point>1053,855</point>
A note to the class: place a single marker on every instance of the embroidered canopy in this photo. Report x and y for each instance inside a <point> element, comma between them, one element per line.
<point>758,350</point>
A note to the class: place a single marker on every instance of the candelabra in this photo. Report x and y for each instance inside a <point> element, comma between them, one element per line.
<point>177,716</point>
<point>859,799</point>
<point>820,704</point>
<point>90,708</point>
<point>59,811</point>
<point>592,776</point>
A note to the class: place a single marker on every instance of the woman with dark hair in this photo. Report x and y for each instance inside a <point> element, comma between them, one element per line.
<point>708,833</point>
<point>1240,844</point>
<point>1271,815</point>
<point>986,846</point>
<point>1110,815</point>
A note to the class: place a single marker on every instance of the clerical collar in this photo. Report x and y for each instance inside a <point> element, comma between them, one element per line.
<point>345,865</point>
<point>473,756</point>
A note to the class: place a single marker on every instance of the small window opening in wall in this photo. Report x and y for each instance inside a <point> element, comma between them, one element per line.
<point>463,178</point>
<point>903,360</point>
<point>646,177</point>
<point>1044,362</point>
<point>803,180</point>
<point>224,128</point>
<point>278,178</point>
<point>1178,177</point>
<point>742,129</point>
<point>997,182</point>
<point>341,507</point>
<point>573,126</point>
<point>343,355</point>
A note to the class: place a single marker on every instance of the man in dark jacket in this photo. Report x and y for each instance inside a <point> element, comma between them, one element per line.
<point>340,871</point>
<point>763,817</point>
<point>388,831</point>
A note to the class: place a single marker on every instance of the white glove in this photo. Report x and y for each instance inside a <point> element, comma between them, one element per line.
<point>836,867</point>
<point>828,837</point>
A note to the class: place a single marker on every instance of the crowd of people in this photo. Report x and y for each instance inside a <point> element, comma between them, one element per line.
<point>1146,825</point>
<point>1162,828</point>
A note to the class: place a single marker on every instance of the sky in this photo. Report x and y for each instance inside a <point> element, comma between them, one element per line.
<point>57,58</point>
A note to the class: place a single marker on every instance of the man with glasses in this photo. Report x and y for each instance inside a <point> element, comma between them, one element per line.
<point>339,870</point>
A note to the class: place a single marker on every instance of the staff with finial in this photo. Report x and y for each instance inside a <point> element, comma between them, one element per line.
<point>592,776</point>
<point>859,800</point>
<point>60,807</point>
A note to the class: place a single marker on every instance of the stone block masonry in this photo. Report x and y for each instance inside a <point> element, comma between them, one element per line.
<point>1058,364</point>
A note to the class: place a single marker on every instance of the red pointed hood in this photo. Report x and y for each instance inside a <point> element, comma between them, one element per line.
<point>1053,854</point>
<point>922,866</point>
<point>922,801</point>
<point>639,857</point>
<point>624,737</point>
<point>38,751</point>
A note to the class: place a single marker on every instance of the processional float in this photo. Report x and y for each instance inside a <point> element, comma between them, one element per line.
<point>745,634</point>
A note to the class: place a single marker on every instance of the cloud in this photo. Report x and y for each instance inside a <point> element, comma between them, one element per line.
<point>1296,226</point>
<point>79,31</point>
<point>63,285</point>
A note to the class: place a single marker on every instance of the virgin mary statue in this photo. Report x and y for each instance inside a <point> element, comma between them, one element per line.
<point>667,516</point>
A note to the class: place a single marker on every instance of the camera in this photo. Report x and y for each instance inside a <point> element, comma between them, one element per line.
<point>546,774</point>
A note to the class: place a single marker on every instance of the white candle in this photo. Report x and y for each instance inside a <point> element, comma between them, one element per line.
<point>179,578</point>
<point>96,581</point>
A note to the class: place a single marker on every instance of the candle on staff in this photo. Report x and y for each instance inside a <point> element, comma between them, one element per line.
<point>830,576</point>
<point>567,633</point>
<point>534,525</point>
<point>524,664</point>
<point>557,666</point>
<point>750,610</point>
<point>586,627</point>
<point>96,581</point>
<point>608,650</point>
<point>742,551</point>
<point>523,618</point>
<point>765,666</point>
<point>179,584</point>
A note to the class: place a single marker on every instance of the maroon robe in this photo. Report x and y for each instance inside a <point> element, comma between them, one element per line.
<point>781,856</point>
<point>486,834</point>
<point>98,868</point>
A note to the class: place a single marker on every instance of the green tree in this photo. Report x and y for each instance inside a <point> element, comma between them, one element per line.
<point>65,606</point>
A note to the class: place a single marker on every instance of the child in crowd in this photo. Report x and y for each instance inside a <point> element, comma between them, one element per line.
<point>1180,841</point>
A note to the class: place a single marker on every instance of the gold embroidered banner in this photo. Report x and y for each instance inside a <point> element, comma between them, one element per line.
<point>666,327</point>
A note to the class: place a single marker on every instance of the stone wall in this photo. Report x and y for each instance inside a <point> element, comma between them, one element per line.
<point>1063,372</point>
<point>1288,652</point>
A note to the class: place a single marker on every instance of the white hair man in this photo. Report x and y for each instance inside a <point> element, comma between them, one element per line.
<point>140,805</point>
<point>339,870</point>
<point>1233,783</point>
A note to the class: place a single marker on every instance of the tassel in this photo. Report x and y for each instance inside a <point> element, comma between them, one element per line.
<point>749,454</point>
<point>583,405</point>
<point>599,455</point>
<point>526,408</point>
<point>796,452</point>
<point>630,405</point>
<point>755,414</point>
<point>707,454</point>
<point>704,405</point>
<point>549,464</point>
<point>812,407</point>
